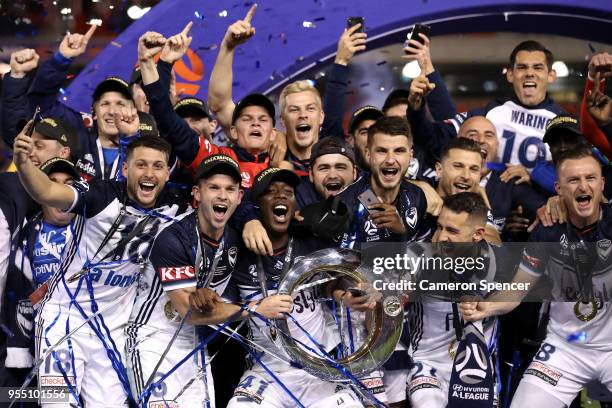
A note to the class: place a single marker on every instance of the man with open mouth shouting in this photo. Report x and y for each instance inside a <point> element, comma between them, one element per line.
<point>257,277</point>
<point>396,214</point>
<point>197,251</point>
<point>95,286</point>
<point>577,348</point>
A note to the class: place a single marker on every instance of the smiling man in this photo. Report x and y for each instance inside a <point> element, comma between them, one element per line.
<point>197,251</point>
<point>576,262</point>
<point>520,121</point>
<point>116,224</point>
<point>256,278</point>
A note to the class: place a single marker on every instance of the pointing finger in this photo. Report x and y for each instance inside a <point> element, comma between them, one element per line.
<point>91,31</point>
<point>249,15</point>
<point>185,31</point>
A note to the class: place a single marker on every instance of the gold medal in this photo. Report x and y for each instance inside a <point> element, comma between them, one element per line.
<point>585,311</point>
<point>169,311</point>
<point>452,351</point>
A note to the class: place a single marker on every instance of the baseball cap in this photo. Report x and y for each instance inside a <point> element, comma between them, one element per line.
<point>331,145</point>
<point>255,100</point>
<point>192,107</point>
<point>112,84</point>
<point>394,97</point>
<point>59,165</point>
<point>54,129</point>
<point>562,124</point>
<point>269,175</point>
<point>147,127</point>
<point>364,113</point>
<point>218,164</point>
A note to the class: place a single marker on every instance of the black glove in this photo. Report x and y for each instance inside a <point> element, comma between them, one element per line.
<point>328,219</point>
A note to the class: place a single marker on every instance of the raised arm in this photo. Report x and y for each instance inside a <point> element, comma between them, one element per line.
<point>439,101</point>
<point>349,43</point>
<point>186,143</point>
<point>37,183</point>
<point>221,77</point>
<point>49,78</point>
<point>14,89</point>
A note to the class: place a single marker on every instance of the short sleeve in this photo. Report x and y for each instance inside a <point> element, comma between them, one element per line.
<point>172,261</point>
<point>91,198</point>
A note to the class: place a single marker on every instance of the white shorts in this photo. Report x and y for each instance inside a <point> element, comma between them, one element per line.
<point>185,387</point>
<point>562,369</point>
<point>259,389</point>
<point>395,385</point>
<point>82,359</point>
<point>427,385</point>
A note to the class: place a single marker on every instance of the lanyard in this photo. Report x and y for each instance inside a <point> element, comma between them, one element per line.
<point>200,253</point>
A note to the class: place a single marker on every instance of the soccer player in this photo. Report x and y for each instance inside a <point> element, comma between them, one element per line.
<point>96,281</point>
<point>255,277</point>
<point>38,253</point>
<point>397,216</point>
<point>197,251</point>
<point>433,336</point>
<point>250,123</point>
<point>520,121</point>
<point>576,261</point>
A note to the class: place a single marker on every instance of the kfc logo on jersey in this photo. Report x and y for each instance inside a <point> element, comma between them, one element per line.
<point>176,273</point>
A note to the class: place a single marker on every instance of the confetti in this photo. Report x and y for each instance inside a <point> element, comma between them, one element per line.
<point>116,44</point>
<point>111,7</point>
<point>198,15</point>
<point>577,337</point>
<point>382,89</point>
<point>257,64</point>
<point>69,76</point>
<point>236,83</point>
<point>308,24</point>
<point>462,88</point>
<point>364,85</point>
<point>62,91</point>
<point>96,22</point>
<point>65,11</point>
<point>381,63</point>
<point>319,19</point>
<point>300,59</point>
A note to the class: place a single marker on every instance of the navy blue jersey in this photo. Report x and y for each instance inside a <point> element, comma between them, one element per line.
<point>504,197</point>
<point>15,203</point>
<point>410,203</point>
<point>173,266</point>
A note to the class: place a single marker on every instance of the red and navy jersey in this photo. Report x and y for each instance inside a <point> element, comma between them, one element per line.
<point>411,204</point>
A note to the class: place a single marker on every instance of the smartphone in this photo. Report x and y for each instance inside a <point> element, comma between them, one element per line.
<point>419,29</point>
<point>368,198</point>
<point>35,120</point>
<point>356,292</point>
<point>351,21</point>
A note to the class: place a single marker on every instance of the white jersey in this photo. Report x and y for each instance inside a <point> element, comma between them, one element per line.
<point>114,268</point>
<point>553,257</point>
<point>520,129</point>
<point>306,309</point>
<point>431,325</point>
